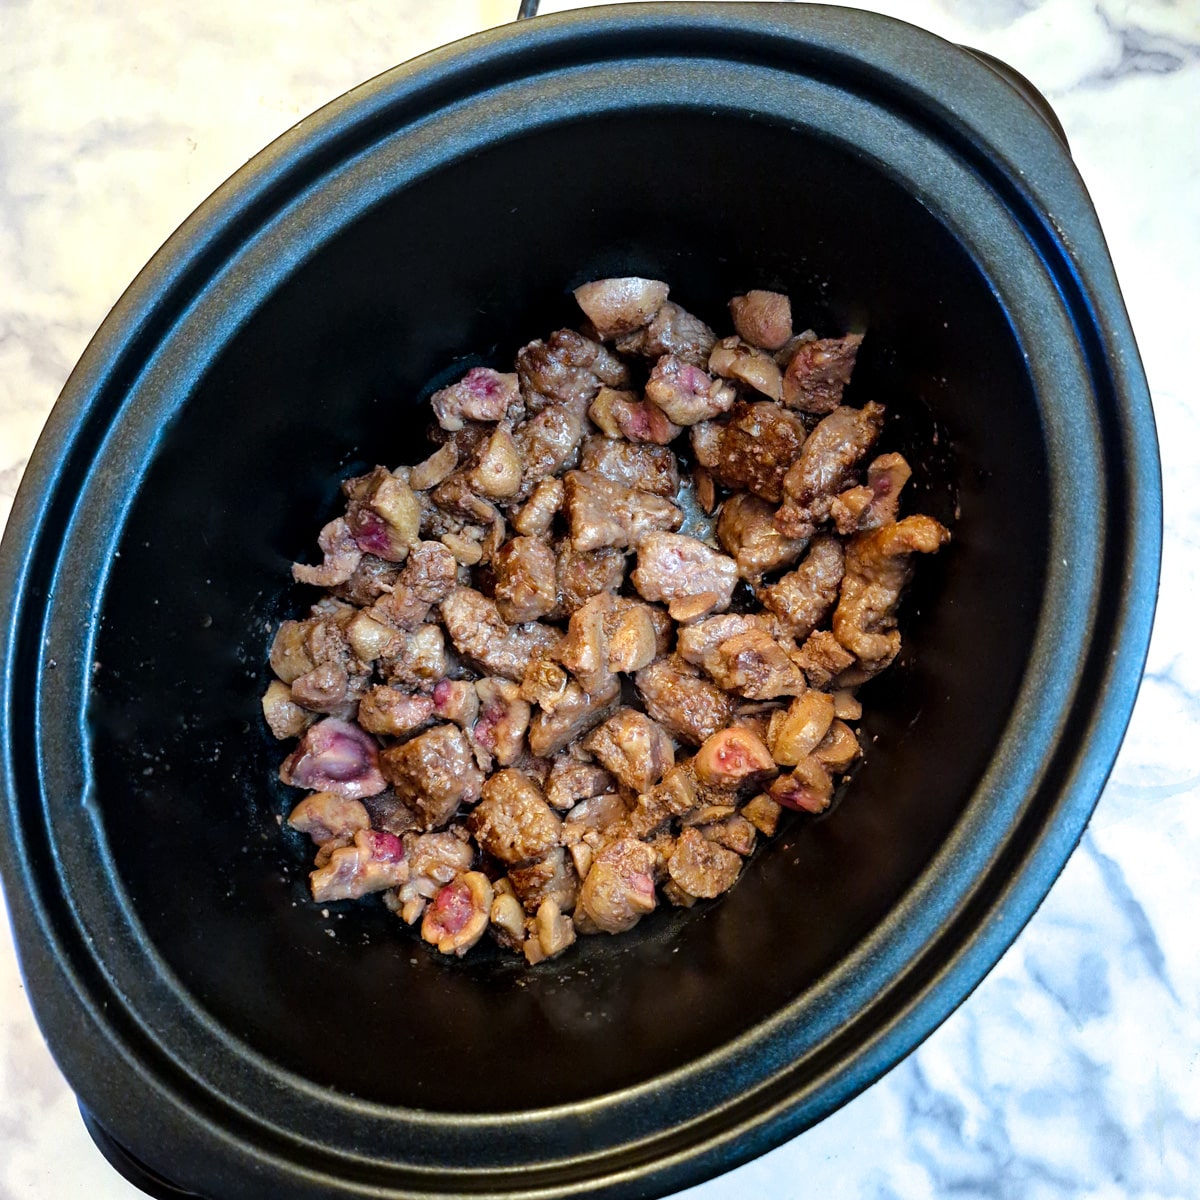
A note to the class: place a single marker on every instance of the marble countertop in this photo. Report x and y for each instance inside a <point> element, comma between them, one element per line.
<point>1074,1069</point>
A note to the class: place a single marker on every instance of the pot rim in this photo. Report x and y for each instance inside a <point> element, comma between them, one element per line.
<point>968,108</point>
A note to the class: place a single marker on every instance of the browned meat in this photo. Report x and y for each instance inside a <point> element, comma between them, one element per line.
<point>433,774</point>
<point>688,706</point>
<point>846,707</point>
<point>803,598</point>
<point>330,820</point>
<point>702,868</point>
<point>763,813</point>
<point>384,515</point>
<point>496,469</point>
<point>618,890</point>
<point>673,331</point>
<point>552,933</point>
<point>818,372</point>
<point>566,369</point>
<point>536,516</point>
<point>390,711</point>
<point>683,572</point>
<point>389,814</point>
<point>832,451</point>
<point>371,639</point>
<point>430,574</point>
<point>571,781</point>
<point>735,833</point>
<point>878,567</point>
<point>838,749</point>
<point>798,732</point>
<point>545,683</point>
<point>635,633</point>
<point>582,574</point>
<point>697,640</point>
<point>373,862</point>
<point>619,306</point>
<point>706,490</point>
<point>754,665</point>
<point>603,513</point>
<point>420,661</point>
<point>848,508</point>
<point>503,721</point>
<point>335,756</point>
<point>513,822</point>
<point>746,528</point>
<point>623,415</point>
<point>733,760</point>
<point>807,789</point>
<point>547,444</point>
<point>763,319</point>
<point>481,395</point>
<point>372,578</point>
<point>434,859</point>
<point>686,393</point>
<point>481,633</point>
<point>434,469</point>
<point>284,717</point>
<point>822,658</point>
<point>574,714</point>
<point>526,585</point>
<point>706,438</point>
<point>594,814</point>
<point>342,555</point>
<point>731,358</point>
<point>886,478</point>
<point>758,448</point>
<point>650,468</point>
<point>458,916</point>
<point>550,878</point>
<point>456,700</point>
<point>634,748</point>
<point>584,650</point>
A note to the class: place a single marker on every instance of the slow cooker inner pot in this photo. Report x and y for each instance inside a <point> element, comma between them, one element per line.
<point>326,379</point>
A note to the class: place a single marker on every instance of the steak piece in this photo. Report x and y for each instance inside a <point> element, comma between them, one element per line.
<point>433,774</point>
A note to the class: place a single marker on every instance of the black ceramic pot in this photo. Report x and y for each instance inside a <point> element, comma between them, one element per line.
<point>284,337</point>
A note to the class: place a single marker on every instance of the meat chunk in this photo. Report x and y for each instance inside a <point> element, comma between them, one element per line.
<point>697,640</point>
<point>733,760</point>
<point>620,306</point>
<point>545,683</point>
<point>420,660</point>
<point>547,444</point>
<point>623,415</point>
<point>754,665</point>
<point>430,574</point>
<point>746,528</point>
<point>818,372</point>
<point>459,914</point>
<point>551,877</point>
<point>673,331</point>
<point>686,393</point>
<point>537,515</point>
<point>496,468</point>
<point>335,756</point>
<point>433,470</point>
<point>689,707</point>
<point>433,774</point>
<point>481,633</point>
<point>763,319</point>
<point>566,369</point>
<point>435,859</point>
<point>575,712</point>
<point>526,585</point>
<point>512,821</point>
<point>886,478</point>
<point>503,721</point>
<point>388,710</point>
<point>330,820</point>
<point>480,395</point>
<point>583,574</point>
<point>706,438</point>
<point>455,700</point>
<point>372,578</point>
<point>731,358</point>
<point>838,749</point>
<point>383,514</point>
<point>283,715</point>
<point>603,513</point>
<point>735,833</point>
<point>803,598</point>
<point>685,573</point>
<point>807,789</point>
<point>552,933</point>
<point>571,781</point>
<point>763,813</point>
<point>371,639</point>
<point>834,448</point>
<point>650,468</point>
<point>636,633</point>
<point>702,868</point>
<point>584,650</point>
<point>758,449</point>
<point>878,568</point>
<point>341,552</point>
<point>795,734</point>
<point>372,863</point>
<point>619,889</point>
<point>822,658</point>
<point>634,748</point>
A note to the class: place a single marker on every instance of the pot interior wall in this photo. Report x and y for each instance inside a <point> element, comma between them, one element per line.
<point>326,379</point>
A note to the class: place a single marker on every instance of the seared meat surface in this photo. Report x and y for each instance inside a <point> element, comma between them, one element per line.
<point>606,632</point>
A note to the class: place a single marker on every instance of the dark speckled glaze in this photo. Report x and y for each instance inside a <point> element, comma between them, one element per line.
<point>285,336</point>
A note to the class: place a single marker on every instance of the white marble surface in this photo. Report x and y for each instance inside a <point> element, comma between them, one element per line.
<point>1074,1070</point>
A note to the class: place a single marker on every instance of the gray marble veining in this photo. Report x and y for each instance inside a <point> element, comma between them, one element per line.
<point>1074,1069</point>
